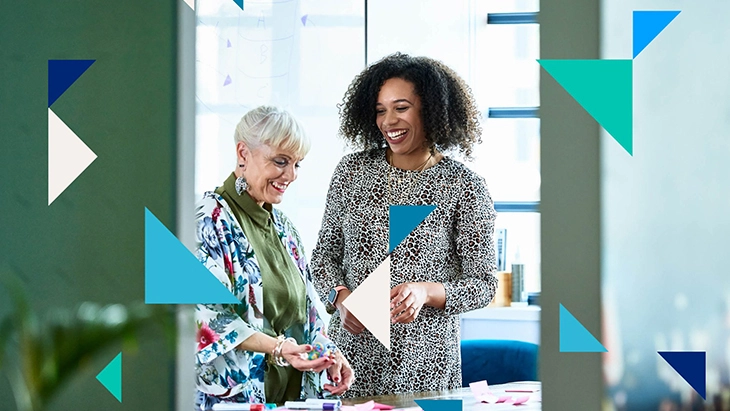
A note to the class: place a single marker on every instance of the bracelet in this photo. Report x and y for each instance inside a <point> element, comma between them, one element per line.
<point>276,354</point>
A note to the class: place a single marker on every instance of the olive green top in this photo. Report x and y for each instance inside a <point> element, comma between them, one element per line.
<point>284,291</point>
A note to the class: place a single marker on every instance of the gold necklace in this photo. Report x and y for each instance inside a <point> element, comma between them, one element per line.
<point>413,179</point>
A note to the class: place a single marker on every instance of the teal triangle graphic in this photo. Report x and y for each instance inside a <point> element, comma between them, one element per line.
<point>648,24</point>
<point>403,220</point>
<point>111,377</point>
<point>603,89</point>
<point>440,405</point>
<point>574,337</point>
<point>172,275</point>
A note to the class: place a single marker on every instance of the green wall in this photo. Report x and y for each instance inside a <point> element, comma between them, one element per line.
<point>89,244</point>
<point>570,210</point>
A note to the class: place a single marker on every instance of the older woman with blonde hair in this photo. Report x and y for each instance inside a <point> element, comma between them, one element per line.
<point>261,350</point>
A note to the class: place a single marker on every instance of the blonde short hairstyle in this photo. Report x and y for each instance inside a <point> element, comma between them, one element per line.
<point>274,127</point>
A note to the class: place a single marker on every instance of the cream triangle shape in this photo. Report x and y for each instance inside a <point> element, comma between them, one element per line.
<point>370,303</point>
<point>68,156</point>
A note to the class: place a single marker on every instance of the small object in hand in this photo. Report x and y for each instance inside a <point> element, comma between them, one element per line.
<point>317,351</point>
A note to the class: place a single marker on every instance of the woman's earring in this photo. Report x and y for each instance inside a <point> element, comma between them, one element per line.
<point>241,183</point>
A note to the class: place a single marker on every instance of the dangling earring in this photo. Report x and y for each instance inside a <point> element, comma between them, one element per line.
<point>241,183</point>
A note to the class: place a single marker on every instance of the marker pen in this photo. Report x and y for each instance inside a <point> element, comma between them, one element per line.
<point>229,406</point>
<point>303,405</point>
<point>337,403</point>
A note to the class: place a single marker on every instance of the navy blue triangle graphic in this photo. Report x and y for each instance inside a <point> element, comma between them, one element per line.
<point>691,365</point>
<point>62,74</point>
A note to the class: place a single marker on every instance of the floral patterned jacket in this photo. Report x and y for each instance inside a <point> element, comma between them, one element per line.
<point>225,374</point>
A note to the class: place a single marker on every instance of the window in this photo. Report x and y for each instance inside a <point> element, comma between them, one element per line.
<point>493,45</point>
<point>302,55</point>
<point>295,54</point>
<point>507,85</point>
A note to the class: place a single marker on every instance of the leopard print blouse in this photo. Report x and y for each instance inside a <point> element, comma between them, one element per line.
<point>453,246</point>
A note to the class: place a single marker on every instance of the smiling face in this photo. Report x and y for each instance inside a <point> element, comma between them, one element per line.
<point>268,171</point>
<point>398,116</point>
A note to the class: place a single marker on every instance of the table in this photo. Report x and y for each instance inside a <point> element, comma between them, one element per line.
<point>469,403</point>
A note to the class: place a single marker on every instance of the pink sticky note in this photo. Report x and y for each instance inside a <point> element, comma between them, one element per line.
<point>479,388</point>
<point>521,400</point>
<point>368,406</point>
<point>379,406</point>
<point>488,398</point>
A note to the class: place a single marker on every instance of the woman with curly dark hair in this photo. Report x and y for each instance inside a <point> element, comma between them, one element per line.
<point>403,113</point>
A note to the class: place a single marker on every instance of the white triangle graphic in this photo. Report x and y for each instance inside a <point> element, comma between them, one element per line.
<point>68,156</point>
<point>370,303</point>
<point>190,3</point>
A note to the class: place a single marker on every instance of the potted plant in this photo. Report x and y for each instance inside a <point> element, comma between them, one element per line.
<point>39,354</point>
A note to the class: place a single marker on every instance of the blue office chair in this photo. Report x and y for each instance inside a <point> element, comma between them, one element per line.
<point>498,361</point>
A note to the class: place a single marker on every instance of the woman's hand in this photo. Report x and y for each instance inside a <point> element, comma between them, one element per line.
<point>349,322</point>
<point>406,301</point>
<point>296,356</point>
<point>341,373</point>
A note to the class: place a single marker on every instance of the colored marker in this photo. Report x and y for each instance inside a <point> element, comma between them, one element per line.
<point>231,406</point>
<point>304,405</point>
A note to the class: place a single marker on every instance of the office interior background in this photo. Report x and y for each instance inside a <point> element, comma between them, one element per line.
<point>632,245</point>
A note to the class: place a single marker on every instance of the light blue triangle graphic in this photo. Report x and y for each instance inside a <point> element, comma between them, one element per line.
<point>173,275</point>
<point>403,220</point>
<point>239,3</point>
<point>440,405</point>
<point>111,377</point>
<point>648,24</point>
<point>574,337</point>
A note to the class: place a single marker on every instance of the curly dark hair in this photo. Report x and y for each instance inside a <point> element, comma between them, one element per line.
<point>448,111</point>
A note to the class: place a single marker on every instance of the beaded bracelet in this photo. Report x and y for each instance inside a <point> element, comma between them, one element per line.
<point>276,354</point>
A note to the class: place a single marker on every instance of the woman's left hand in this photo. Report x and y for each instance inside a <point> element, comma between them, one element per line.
<point>406,301</point>
<point>341,373</point>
